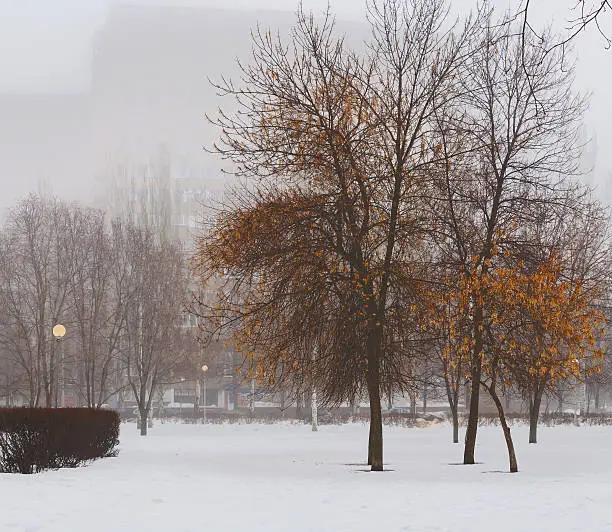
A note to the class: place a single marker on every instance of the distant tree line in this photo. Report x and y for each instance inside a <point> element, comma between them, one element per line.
<point>116,287</point>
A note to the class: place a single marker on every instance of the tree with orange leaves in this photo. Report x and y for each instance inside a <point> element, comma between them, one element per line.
<point>512,146</point>
<point>541,330</point>
<point>537,330</point>
<point>325,247</point>
<point>566,249</point>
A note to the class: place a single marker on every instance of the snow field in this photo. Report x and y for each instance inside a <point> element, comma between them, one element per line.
<point>286,478</point>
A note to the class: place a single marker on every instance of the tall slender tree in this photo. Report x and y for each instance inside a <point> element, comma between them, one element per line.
<point>525,128</point>
<point>328,237</point>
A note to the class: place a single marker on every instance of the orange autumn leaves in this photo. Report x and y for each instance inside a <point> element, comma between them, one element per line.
<point>555,322</point>
<point>538,325</point>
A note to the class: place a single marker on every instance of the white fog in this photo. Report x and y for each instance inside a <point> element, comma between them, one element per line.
<point>369,289</point>
<point>61,119</point>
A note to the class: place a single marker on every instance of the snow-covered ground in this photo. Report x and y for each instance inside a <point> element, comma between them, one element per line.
<point>273,478</point>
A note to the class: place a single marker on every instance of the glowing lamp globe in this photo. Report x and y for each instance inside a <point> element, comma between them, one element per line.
<point>59,331</point>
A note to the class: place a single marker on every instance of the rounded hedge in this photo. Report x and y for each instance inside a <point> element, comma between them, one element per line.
<point>35,439</point>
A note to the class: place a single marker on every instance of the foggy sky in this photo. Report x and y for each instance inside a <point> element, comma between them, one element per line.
<point>45,43</point>
<point>45,47</point>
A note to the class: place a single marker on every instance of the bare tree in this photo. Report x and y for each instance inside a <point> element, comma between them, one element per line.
<point>154,314</point>
<point>35,292</point>
<point>99,281</point>
<point>583,15</point>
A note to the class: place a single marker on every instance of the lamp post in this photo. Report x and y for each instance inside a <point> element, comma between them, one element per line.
<point>59,331</point>
<point>204,369</point>
<point>198,397</point>
<point>181,400</point>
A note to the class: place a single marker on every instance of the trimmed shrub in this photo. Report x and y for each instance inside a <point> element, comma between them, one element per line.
<point>35,439</point>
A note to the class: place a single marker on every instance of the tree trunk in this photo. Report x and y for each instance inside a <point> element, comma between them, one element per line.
<point>370,445</point>
<point>534,415</point>
<point>375,443</point>
<point>315,413</point>
<point>252,398</point>
<point>476,371</point>
<point>506,428</point>
<point>452,395</point>
<point>143,422</point>
<point>589,392</point>
<point>455,415</point>
<point>196,403</point>
<point>425,399</point>
<point>313,397</point>
<point>234,391</point>
<point>472,426</point>
<point>282,403</point>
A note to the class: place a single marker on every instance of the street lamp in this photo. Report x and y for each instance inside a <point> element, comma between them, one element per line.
<point>182,380</point>
<point>204,369</point>
<point>59,331</point>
